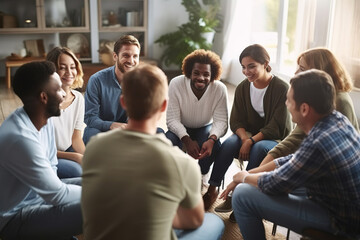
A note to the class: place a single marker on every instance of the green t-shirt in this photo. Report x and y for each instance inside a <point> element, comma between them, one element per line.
<point>133,184</point>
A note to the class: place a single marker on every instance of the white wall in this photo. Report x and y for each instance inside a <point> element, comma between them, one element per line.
<point>164,17</point>
<point>355,95</point>
<point>12,43</point>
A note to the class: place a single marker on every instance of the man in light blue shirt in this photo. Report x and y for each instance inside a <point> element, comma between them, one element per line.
<point>34,202</point>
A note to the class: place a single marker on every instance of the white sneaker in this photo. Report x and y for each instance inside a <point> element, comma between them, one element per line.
<point>205,181</point>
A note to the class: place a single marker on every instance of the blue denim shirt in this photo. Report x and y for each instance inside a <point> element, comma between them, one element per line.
<point>102,100</point>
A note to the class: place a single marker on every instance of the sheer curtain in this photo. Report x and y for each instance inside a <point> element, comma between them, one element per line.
<point>243,24</point>
<point>236,36</point>
<point>345,37</point>
<point>305,25</point>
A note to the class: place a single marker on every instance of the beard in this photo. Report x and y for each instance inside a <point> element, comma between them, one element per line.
<point>121,67</point>
<point>53,106</point>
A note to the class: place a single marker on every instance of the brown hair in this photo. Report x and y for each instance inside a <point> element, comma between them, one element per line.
<point>258,53</point>
<point>126,40</point>
<point>316,88</point>
<point>54,56</point>
<point>204,57</point>
<point>144,91</point>
<point>323,59</point>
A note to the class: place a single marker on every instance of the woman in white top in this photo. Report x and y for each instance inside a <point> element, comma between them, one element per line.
<point>70,124</point>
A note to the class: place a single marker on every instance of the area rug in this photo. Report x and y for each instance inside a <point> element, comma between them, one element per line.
<point>232,231</point>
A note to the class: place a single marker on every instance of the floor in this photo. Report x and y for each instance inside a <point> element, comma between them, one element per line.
<point>9,102</point>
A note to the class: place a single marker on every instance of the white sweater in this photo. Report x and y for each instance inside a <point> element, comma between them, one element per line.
<point>185,110</point>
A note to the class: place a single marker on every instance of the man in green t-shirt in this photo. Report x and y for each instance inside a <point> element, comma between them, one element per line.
<point>136,185</point>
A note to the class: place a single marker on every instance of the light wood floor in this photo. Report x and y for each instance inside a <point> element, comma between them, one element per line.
<point>8,101</point>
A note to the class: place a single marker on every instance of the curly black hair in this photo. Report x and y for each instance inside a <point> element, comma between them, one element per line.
<point>204,57</point>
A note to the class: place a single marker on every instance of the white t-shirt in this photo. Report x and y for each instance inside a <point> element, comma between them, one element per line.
<point>70,119</point>
<point>257,99</point>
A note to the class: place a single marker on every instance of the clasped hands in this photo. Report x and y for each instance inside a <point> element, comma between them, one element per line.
<point>193,149</point>
<point>116,125</point>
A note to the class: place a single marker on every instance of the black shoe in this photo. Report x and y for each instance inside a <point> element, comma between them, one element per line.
<point>225,206</point>
<point>232,218</point>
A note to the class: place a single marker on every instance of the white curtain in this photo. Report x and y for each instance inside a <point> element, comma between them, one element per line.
<point>345,37</point>
<point>237,36</point>
<point>305,25</point>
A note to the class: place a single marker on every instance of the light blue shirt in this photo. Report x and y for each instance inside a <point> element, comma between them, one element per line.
<point>28,167</point>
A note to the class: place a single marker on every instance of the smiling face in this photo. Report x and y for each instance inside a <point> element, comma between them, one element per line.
<point>55,95</point>
<point>252,69</point>
<point>200,77</point>
<point>67,70</point>
<point>127,58</point>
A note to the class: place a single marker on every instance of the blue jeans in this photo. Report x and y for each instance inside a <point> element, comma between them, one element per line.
<point>295,212</point>
<point>200,135</point>
<point>44,221</point>
<point>211,229</point>
<point>68,168</point>
<point>230,149</point>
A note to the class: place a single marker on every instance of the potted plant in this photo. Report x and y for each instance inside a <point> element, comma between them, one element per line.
<point>204,19</point>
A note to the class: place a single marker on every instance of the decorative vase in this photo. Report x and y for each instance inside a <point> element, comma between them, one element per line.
<point>209,36</point>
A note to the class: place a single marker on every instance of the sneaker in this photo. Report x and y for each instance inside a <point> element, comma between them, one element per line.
<point>204,182</point>
<point>226,206</point>
<point>232,218</point>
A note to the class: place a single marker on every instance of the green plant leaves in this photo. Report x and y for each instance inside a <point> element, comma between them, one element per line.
<point>202,18</point>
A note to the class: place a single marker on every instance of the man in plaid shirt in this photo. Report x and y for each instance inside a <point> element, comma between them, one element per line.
<point>327,164</point>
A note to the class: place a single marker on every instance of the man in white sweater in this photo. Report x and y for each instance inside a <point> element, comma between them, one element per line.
<point>197,114</point>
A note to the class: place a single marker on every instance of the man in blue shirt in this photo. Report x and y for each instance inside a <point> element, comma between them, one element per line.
<point>102,107</point>
<point>34,202</point>
<point>327,164</point>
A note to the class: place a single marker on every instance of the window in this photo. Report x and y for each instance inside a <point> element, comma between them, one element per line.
<point>288,27</point>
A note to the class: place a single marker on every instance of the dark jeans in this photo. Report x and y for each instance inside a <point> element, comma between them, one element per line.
<point>230,150</point>
<point>200,135</point>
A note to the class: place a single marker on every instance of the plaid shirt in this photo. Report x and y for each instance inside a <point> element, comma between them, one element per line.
<point>328,165</point>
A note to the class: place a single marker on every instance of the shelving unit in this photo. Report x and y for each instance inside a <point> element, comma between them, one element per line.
<point>123,17</point>
<point>59,21</point>
<point>44,16</point>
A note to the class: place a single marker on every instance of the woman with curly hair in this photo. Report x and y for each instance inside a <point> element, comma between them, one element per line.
<point>197,115</point>
<point>70,124</point>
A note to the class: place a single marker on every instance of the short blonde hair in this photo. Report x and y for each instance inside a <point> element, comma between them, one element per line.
<point>54,56</point>
<point>323,59</point>
<point>144,90</point>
